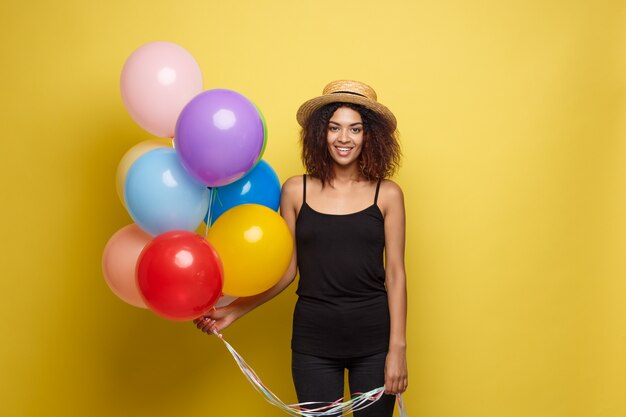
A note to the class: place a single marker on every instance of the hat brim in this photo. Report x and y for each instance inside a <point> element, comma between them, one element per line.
<point>305,111</point>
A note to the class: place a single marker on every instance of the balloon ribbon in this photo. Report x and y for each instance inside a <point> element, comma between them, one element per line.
<point>311,409</point>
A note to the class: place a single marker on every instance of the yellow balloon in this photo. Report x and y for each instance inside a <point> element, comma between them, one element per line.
<point>255,246</point>
<point>131,156</point>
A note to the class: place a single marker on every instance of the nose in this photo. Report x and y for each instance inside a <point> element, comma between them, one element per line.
<point>343,136</point>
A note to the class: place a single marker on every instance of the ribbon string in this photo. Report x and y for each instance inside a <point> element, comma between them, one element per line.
<point>208,220</point>
<point>310,409</point>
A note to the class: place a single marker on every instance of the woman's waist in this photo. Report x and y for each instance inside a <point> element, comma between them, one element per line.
<point>345,303</point>
<point>340,318</point>
<point>333,292</point>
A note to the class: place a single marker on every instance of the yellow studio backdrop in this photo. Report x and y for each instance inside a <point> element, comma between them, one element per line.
<point>513,126</point>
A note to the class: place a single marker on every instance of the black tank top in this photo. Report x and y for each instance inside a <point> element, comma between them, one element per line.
<point>342,308</point>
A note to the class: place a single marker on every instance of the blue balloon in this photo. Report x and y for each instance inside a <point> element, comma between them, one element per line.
<point>259,186</point>
<point>161,196</point>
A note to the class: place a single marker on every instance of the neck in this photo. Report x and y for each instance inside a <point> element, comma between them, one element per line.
<point>346,174</point>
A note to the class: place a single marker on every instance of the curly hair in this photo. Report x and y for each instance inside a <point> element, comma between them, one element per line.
<point>380,155</point>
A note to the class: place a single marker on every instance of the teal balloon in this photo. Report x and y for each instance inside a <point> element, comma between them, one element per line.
<point>259,186</point>
<point>161,196</point>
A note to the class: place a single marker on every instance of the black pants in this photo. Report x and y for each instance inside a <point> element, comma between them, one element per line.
<point>321,380</point>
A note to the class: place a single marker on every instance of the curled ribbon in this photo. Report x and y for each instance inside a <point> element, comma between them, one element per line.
<point>310,409</point>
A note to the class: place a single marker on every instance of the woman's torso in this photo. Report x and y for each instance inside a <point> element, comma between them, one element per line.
<point>342,306</point>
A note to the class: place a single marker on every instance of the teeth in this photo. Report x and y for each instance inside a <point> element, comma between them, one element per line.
<point>344,149</point>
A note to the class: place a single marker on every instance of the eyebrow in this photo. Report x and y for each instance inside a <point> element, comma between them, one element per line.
<point>339,124</point>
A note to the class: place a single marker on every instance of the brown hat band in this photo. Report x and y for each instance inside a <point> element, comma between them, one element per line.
<point>348,92</point>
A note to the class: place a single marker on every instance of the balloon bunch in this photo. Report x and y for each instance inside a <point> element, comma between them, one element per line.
<point>204,165</point>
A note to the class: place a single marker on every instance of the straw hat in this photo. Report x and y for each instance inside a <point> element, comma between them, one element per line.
<point>346,91</point>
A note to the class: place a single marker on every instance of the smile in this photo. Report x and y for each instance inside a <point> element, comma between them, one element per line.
<point>343,150</point>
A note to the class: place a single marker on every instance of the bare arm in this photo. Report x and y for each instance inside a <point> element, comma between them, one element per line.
<point>218,319</point>
<point>396,373</point>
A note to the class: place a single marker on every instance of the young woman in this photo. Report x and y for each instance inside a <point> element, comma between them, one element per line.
<point>349,225</point>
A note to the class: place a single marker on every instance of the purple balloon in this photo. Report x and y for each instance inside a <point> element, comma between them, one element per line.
<point>219,136</point>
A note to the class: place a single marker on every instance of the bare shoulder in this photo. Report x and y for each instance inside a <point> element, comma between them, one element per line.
<point>390,197</point>
<point>293,185</point>
<point>291,193</point>
<point>391,191</point>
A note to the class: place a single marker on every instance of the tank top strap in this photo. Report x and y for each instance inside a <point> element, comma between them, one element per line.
<point>304,188</point>
<point>376,195</point>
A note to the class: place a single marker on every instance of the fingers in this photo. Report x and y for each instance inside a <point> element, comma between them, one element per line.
<point>395,386</point>
<point>215,320</point>
<point>396,374</point>
<point>206,325</point>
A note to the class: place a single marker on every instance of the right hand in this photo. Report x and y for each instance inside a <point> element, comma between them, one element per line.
<point>216,319</point>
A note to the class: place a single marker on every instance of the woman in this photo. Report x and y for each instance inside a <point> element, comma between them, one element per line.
<point>351,309</point>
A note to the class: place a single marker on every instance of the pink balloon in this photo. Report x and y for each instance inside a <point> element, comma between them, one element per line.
<point>158,80</point>
<point>119,261</point>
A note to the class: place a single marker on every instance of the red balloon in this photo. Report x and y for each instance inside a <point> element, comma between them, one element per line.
<point>180,275</point>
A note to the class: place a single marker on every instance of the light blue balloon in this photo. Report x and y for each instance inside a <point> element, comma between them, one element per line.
<point>259,186</point>
<point>161,196</point>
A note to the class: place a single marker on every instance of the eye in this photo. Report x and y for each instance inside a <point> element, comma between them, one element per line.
<point>356,130</point>
<point>333,128</point>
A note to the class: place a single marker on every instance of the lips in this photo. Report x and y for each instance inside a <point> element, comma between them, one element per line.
<point>343,150</point>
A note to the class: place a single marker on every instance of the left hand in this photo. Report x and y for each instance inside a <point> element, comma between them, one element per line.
<point>396,373</point>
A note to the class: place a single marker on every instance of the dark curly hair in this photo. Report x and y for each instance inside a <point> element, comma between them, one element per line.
<point>380,155</point>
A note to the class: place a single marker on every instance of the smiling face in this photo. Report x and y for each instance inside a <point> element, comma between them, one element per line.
<point>345,136</point>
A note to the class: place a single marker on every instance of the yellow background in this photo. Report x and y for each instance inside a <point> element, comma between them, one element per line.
<point>513,123</point>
